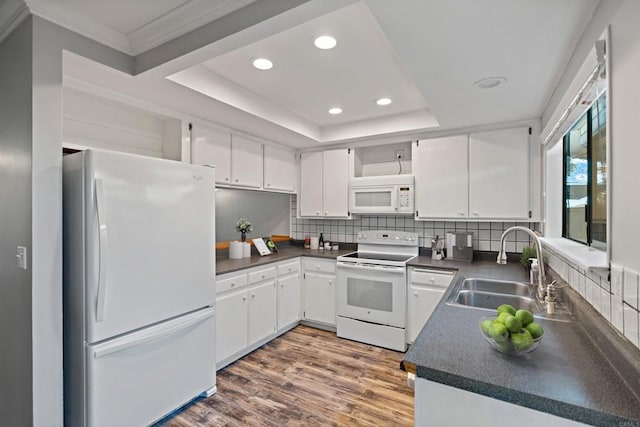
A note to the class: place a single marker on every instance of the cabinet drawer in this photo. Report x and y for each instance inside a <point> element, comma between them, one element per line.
<point>260,275</point>
<point>289,268</point>
<point>234,282</point>
<point>429,277</point>
<point>319,265</point>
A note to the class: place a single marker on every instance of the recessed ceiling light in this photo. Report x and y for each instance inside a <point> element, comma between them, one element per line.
<point>490,82</point>
<point>263,64</point>
<point>335,110</point>
<point>383,101</point>
<point>325,42</point>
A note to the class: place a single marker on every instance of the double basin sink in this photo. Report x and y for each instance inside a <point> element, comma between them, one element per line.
<point>488,294</point>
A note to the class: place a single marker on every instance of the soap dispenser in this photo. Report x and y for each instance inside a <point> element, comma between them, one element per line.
<point>534,272</point>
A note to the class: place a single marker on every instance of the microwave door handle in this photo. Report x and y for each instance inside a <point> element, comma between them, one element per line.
<point>395,194</point>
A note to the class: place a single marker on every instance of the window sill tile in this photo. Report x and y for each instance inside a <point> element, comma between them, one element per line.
<point>581,256</point>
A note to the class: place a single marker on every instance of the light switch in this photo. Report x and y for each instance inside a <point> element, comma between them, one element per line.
<point>21,255</point>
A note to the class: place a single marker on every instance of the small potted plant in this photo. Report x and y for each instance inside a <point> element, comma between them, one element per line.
<point>244,226</point>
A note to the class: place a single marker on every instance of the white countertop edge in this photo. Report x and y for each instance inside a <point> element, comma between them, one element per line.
<point>583,256</point>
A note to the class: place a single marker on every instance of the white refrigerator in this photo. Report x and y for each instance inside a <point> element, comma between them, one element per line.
<point>139,287</point>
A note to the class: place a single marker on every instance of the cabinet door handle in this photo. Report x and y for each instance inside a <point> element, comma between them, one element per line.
<point>244,298</point>
<point>236,180</point>
<point>226,179</point>
<point>263,276</point>
<point>330,282</point>
<point>233,284</point>
<point>476,214</point>
<point>461,213</point>
<point>415,294</point>
<point>253,295</point>
<point>326,213</point>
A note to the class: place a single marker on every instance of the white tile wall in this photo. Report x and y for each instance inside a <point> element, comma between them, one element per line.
<point>613,300</point>
<point>630,288</point>
<point>631,324</point>
<point>486,235</point>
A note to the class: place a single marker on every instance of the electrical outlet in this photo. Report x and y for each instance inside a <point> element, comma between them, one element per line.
<point>399,154</point>
<point>617,272</point>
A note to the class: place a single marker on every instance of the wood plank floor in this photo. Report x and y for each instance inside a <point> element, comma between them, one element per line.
<point>307,377</point>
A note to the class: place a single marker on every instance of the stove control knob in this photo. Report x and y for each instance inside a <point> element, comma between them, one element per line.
<point>397,237</point>
<point>408,238</point>
<point>364,236</point>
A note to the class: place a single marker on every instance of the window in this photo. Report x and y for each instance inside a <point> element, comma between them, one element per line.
<point>585,178</point>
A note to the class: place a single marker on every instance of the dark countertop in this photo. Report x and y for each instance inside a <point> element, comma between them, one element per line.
<point>567,375</point>
<point>285,252</point>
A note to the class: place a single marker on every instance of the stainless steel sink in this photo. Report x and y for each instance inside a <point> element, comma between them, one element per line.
<point>498,286</point>
<point>488,294</point>
<point>491,300</point>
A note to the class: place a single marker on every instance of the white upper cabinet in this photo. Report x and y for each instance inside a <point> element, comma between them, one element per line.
<point>310,197</point>
<point>280,169</point>
<point>499,174</point>
<point>212,147</point>
<point>335,179</point>
<point>442,180</point>
<point>246,162</point>
<point>481,176</point>
<point>324,184</point>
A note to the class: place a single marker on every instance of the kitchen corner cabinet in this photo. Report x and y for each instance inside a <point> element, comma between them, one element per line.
<point>319,278</point>
<point>426,289</point>
<point>499,174</point>
<point>442,177</point>
<point>324,184</point>
<point>280,169</point>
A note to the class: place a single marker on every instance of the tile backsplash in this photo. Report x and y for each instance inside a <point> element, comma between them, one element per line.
<point>486,235</point>
<point>616,299</point>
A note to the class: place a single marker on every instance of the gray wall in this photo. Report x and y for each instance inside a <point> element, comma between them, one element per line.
<point>15,226</point>
<point>269,213</point>
<point>31,215</point>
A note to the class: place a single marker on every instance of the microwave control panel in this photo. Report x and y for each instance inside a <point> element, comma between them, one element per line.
<point>405,197</point>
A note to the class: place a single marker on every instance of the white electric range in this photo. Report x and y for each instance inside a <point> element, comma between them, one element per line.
<point>372,288</point>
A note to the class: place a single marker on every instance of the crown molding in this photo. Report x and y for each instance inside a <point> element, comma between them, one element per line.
<point>65,17</point>
<point>188,17</point>
<point>12,12</point>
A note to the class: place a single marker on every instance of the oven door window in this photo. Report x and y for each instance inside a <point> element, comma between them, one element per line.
<point>370,294</point>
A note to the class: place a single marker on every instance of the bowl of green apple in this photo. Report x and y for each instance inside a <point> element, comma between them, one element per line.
<point>512,331</point>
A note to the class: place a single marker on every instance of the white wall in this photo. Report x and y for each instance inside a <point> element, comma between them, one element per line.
<point>624,51</point>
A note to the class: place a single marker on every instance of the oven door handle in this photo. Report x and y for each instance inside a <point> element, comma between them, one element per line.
<point>370,267</point>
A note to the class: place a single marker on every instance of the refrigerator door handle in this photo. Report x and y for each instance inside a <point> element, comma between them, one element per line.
<point>113,347</point>
<point>103,245</point>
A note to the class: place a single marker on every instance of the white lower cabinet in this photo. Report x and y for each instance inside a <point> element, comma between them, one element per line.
<point>426,288</point>
<point>231,322</point>
<point>319,277</point>
<point>253,305</point>
<point>289,298</point>
<point>262,311</point>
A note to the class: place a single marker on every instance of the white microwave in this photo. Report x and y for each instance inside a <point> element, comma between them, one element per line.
<point>389,194</point>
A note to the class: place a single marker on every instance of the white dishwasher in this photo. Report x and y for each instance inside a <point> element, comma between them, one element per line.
<point>426,288</point>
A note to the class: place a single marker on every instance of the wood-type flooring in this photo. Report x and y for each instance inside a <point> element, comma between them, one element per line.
<point>307,377</point>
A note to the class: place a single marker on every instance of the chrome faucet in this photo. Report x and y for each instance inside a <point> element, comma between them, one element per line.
<point>502,257</point>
